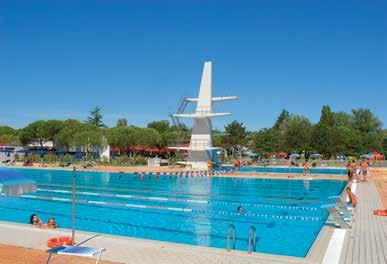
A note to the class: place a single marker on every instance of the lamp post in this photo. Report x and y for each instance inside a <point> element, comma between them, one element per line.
<point>73,206</point>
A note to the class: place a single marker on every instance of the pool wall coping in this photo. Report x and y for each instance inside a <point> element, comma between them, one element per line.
<point>136,250</point>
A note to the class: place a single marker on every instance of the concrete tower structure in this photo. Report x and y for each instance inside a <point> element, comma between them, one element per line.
<point>200,149</point>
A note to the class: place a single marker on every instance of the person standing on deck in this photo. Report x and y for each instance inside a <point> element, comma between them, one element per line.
<point>364,169</point>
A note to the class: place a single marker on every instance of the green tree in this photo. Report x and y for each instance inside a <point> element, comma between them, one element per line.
<point>95,117</point>
<point>370,129</point>
<point>161,126</point>
<point>65,137</point>
<point>267,140</point>
<point>384,143</point>
<point>6,130</point>
<point>281,120</point>
<point>122,136</point>
<point>168,137</point>
<point>35,131</point>
<point>52,128</point>
<point>122,122</point>
<point>297,133</point>
<point>88,138</point>
<point>147,137</point>
<point>236,133</point>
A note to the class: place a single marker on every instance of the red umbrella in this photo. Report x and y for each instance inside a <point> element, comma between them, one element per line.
<point>137,148</point>
<point>152,150</point>
<point>115,149</point>
<point>165,150</point>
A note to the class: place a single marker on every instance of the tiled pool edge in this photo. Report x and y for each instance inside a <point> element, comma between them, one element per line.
<point>125,249</point>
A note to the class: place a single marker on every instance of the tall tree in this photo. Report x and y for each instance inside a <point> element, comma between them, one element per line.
<point>369,127</point>
<point>161,126</point>
<point>281,120</point>
<point>95,117</point>
<point>65,137</point>
<point>297,133</point>
<point>35,131</point>
<point>6,130</point>
<point>52,128</point>
<point>122,122</point>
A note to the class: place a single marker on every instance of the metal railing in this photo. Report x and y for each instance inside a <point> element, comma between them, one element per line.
<point>231,231</point>
<point>252,239</point>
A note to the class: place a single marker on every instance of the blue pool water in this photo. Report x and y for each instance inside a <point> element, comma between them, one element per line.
<point>190,210</point>
<point>329,171</point>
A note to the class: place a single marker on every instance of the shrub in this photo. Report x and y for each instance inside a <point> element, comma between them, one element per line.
<point>140,161</point>
<point>105,159</point>
<point>121,160</point>
<point>66,158</point>
<point>50,158</point>
<point>34,157</point>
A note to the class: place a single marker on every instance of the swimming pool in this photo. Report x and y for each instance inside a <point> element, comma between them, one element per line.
<point>190,210</point>
<point>329,171</point>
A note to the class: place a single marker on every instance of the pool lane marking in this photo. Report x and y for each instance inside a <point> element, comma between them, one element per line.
<point>127,196</point>
<point>287,207</point>
<point>48,198</point>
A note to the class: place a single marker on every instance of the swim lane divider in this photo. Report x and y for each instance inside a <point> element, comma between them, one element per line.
<point>48,198</point>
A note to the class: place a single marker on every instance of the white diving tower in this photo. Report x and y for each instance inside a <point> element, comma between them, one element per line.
<point>200,149</point>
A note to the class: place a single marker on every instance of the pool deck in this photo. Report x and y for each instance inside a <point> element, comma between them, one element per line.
<point>141,251</point>
<point>366,242</point>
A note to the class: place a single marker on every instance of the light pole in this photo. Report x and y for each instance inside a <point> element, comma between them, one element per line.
<point>73,206</point>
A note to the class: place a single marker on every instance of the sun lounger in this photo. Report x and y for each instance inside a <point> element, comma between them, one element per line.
<point>76,251</point>
<point>65,164</point>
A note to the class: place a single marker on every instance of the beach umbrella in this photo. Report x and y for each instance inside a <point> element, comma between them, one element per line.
<point>13,184</point>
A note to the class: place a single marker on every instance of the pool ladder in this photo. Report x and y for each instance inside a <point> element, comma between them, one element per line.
<point>252,239</point>
<point>231,232</point>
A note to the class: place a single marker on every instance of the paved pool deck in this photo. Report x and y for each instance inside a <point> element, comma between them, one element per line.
<point>141,251</point>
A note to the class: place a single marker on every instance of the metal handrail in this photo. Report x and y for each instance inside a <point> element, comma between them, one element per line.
<point>252,239</point>
<point>231,230</point>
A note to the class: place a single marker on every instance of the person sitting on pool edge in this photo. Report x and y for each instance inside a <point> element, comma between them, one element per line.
<point>35,220</point>
<point>352,197</point>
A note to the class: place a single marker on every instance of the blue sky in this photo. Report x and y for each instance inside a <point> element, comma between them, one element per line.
<point>138,59</point>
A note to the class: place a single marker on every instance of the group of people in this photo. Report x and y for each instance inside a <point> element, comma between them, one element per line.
<point>36,221</point>
<point>357,171</point>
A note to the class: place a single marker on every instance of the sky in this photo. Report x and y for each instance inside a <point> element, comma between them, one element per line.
<point>139,59</point>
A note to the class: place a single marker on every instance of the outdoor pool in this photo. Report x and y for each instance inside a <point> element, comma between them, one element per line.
<point>329,171</point>
<point>189,210</point>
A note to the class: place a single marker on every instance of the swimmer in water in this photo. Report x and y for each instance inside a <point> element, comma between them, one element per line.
<point>240,209</point>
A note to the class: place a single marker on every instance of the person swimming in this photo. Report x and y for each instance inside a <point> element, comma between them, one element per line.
<point>35,220</point>
<point>51,223</point>
<point>240,209</point>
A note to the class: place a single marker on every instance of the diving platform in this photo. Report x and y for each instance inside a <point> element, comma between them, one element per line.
<point>200,149</point>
